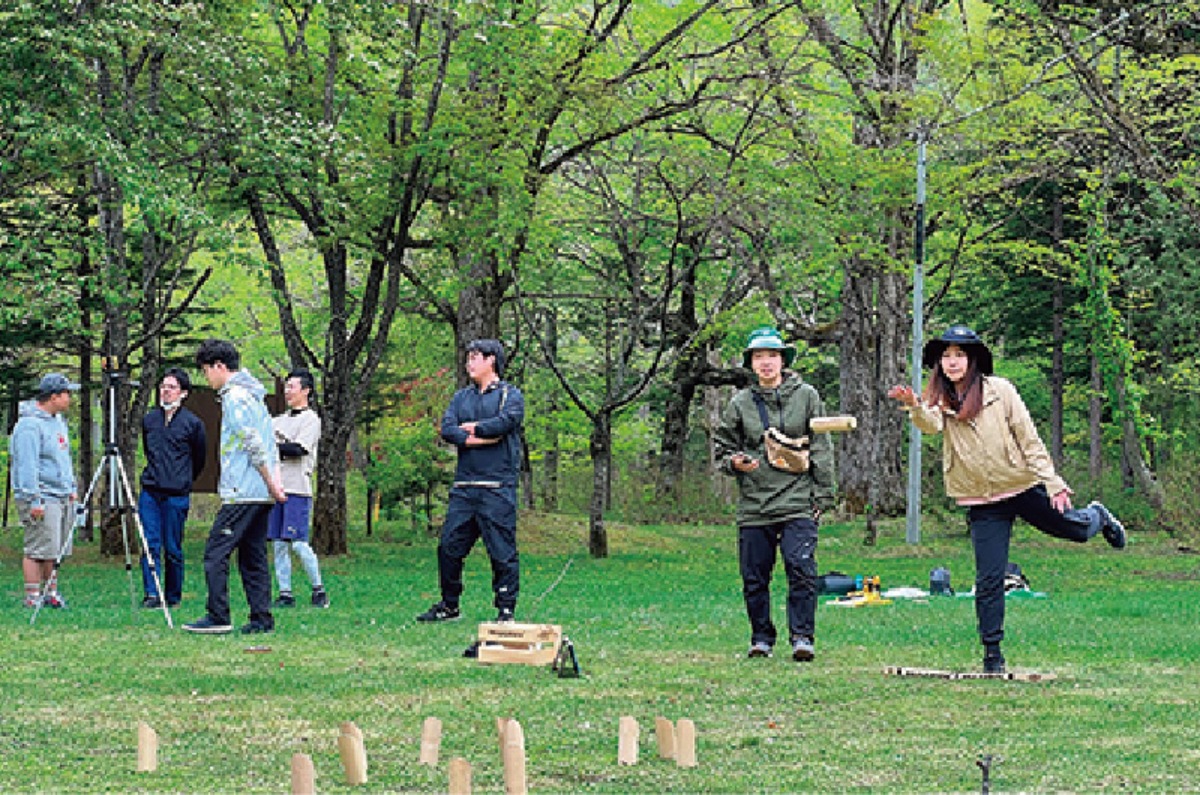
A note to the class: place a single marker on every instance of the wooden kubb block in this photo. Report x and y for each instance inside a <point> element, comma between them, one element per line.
<point>514,759</point>
<point>147,748</point>
<point>431,741</point>
<point>627,740</point>
<point>303,775</point>
<point>353,753</point>
<point>509,642</point>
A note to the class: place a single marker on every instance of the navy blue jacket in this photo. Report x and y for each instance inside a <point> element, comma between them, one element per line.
<point>175,452</point>
<point>499,411</point>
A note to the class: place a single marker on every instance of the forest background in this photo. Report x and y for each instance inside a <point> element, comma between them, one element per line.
<point>619,191</point>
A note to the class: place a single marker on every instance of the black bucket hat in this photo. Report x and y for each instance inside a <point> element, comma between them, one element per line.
<point>963,337</point>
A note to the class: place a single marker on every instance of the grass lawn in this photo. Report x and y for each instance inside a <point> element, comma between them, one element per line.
<point>660,630</point>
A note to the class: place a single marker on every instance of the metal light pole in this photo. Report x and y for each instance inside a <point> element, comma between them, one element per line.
<point>912,532</point>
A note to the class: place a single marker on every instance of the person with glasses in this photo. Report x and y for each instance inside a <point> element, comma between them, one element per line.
<point>175,444</point>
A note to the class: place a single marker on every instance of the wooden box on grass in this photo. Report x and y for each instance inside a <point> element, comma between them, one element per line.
<point>509,642</point>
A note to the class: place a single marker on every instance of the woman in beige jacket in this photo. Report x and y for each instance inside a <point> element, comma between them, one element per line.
<point>994,463</point>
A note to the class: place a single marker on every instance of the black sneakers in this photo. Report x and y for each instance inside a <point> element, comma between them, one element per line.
<point>993,659</point>
<point>504,614</point>
<point>207,626</point>
<point>320,598</point>
<point>1114,531</point>
<point>440,612</point>
<point>257,628</point>
<point>285,600</point>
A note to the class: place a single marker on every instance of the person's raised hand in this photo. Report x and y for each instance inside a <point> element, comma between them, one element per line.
<point>903,394</point>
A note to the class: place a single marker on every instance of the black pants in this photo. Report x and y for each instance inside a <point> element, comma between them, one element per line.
<point>241,527</point>
<point>477,512</point>
<point>796,540</point>
<point>991,530</point>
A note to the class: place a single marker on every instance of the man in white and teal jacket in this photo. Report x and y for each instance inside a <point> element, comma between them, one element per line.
<point>249,485</point>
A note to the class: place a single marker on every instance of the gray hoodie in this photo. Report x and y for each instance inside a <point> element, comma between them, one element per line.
<point>247,440</point>
<point>40,456</point>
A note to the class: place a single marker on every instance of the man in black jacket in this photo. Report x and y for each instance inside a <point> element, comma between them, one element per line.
<point>483,422</point>
<point>174,441</point>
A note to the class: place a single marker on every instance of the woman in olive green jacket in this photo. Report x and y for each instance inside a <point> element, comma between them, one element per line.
<point>994,464</point>
<point>777,510</point>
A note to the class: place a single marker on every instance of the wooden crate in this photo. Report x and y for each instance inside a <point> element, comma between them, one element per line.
<point>509,642</point>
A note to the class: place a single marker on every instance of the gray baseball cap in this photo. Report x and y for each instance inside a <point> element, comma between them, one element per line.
<point>53,383</point>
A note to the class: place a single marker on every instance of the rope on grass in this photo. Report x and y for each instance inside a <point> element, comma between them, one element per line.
<point>537,602</point>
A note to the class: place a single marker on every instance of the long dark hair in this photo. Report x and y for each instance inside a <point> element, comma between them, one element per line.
<point>940,391</point>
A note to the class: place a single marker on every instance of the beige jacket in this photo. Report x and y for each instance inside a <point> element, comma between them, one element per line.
<point>999,452</point>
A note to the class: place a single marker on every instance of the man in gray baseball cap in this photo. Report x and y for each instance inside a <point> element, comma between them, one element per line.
<point>43,483</point>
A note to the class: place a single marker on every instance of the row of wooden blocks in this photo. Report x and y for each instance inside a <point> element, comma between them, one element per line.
<point>675,741</point>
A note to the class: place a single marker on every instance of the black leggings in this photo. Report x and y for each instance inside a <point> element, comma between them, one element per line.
<point>991,529</point>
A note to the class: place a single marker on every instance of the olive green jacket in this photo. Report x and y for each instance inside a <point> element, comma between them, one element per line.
<point>768,495</point>
<point>998,452</point>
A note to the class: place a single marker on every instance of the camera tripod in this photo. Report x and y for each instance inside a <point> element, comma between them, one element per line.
<point>120,499</point>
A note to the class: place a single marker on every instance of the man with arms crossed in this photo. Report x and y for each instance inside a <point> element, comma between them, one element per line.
<point>483,422</point>
<point>297,432</point>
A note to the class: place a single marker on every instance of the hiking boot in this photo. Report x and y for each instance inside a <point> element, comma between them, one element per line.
<point>440,612</point>
<point>802,650</point>
<point>207,626</point>
<point>285,600</point>
<point>255,627</point>
<point>505,614</point>
<point>1114,531</point>
<point>152,603</point>
<point>320,598</point>
<point>760,649</point>
<point>993,664</point>
<point>55,601</point>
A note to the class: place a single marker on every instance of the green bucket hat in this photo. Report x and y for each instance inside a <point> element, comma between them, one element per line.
<point>767,338</point>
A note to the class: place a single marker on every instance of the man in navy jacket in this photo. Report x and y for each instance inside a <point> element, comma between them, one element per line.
<point>174,441</point>
<point>483,422</point>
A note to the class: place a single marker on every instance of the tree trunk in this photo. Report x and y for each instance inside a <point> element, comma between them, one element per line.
<point>551,454</point>
<point>339,412</point>
<point>87,457</point>
<point>1058,342</point>
<point>111,219</point>
<point>714,400</point>
<point>478,312</point>
<point>601,451</point>
<point>1095,432</point>
<point>681,392</point>
<point>1131,450</point>
<point>330,510</point>
<point>873,346</point>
